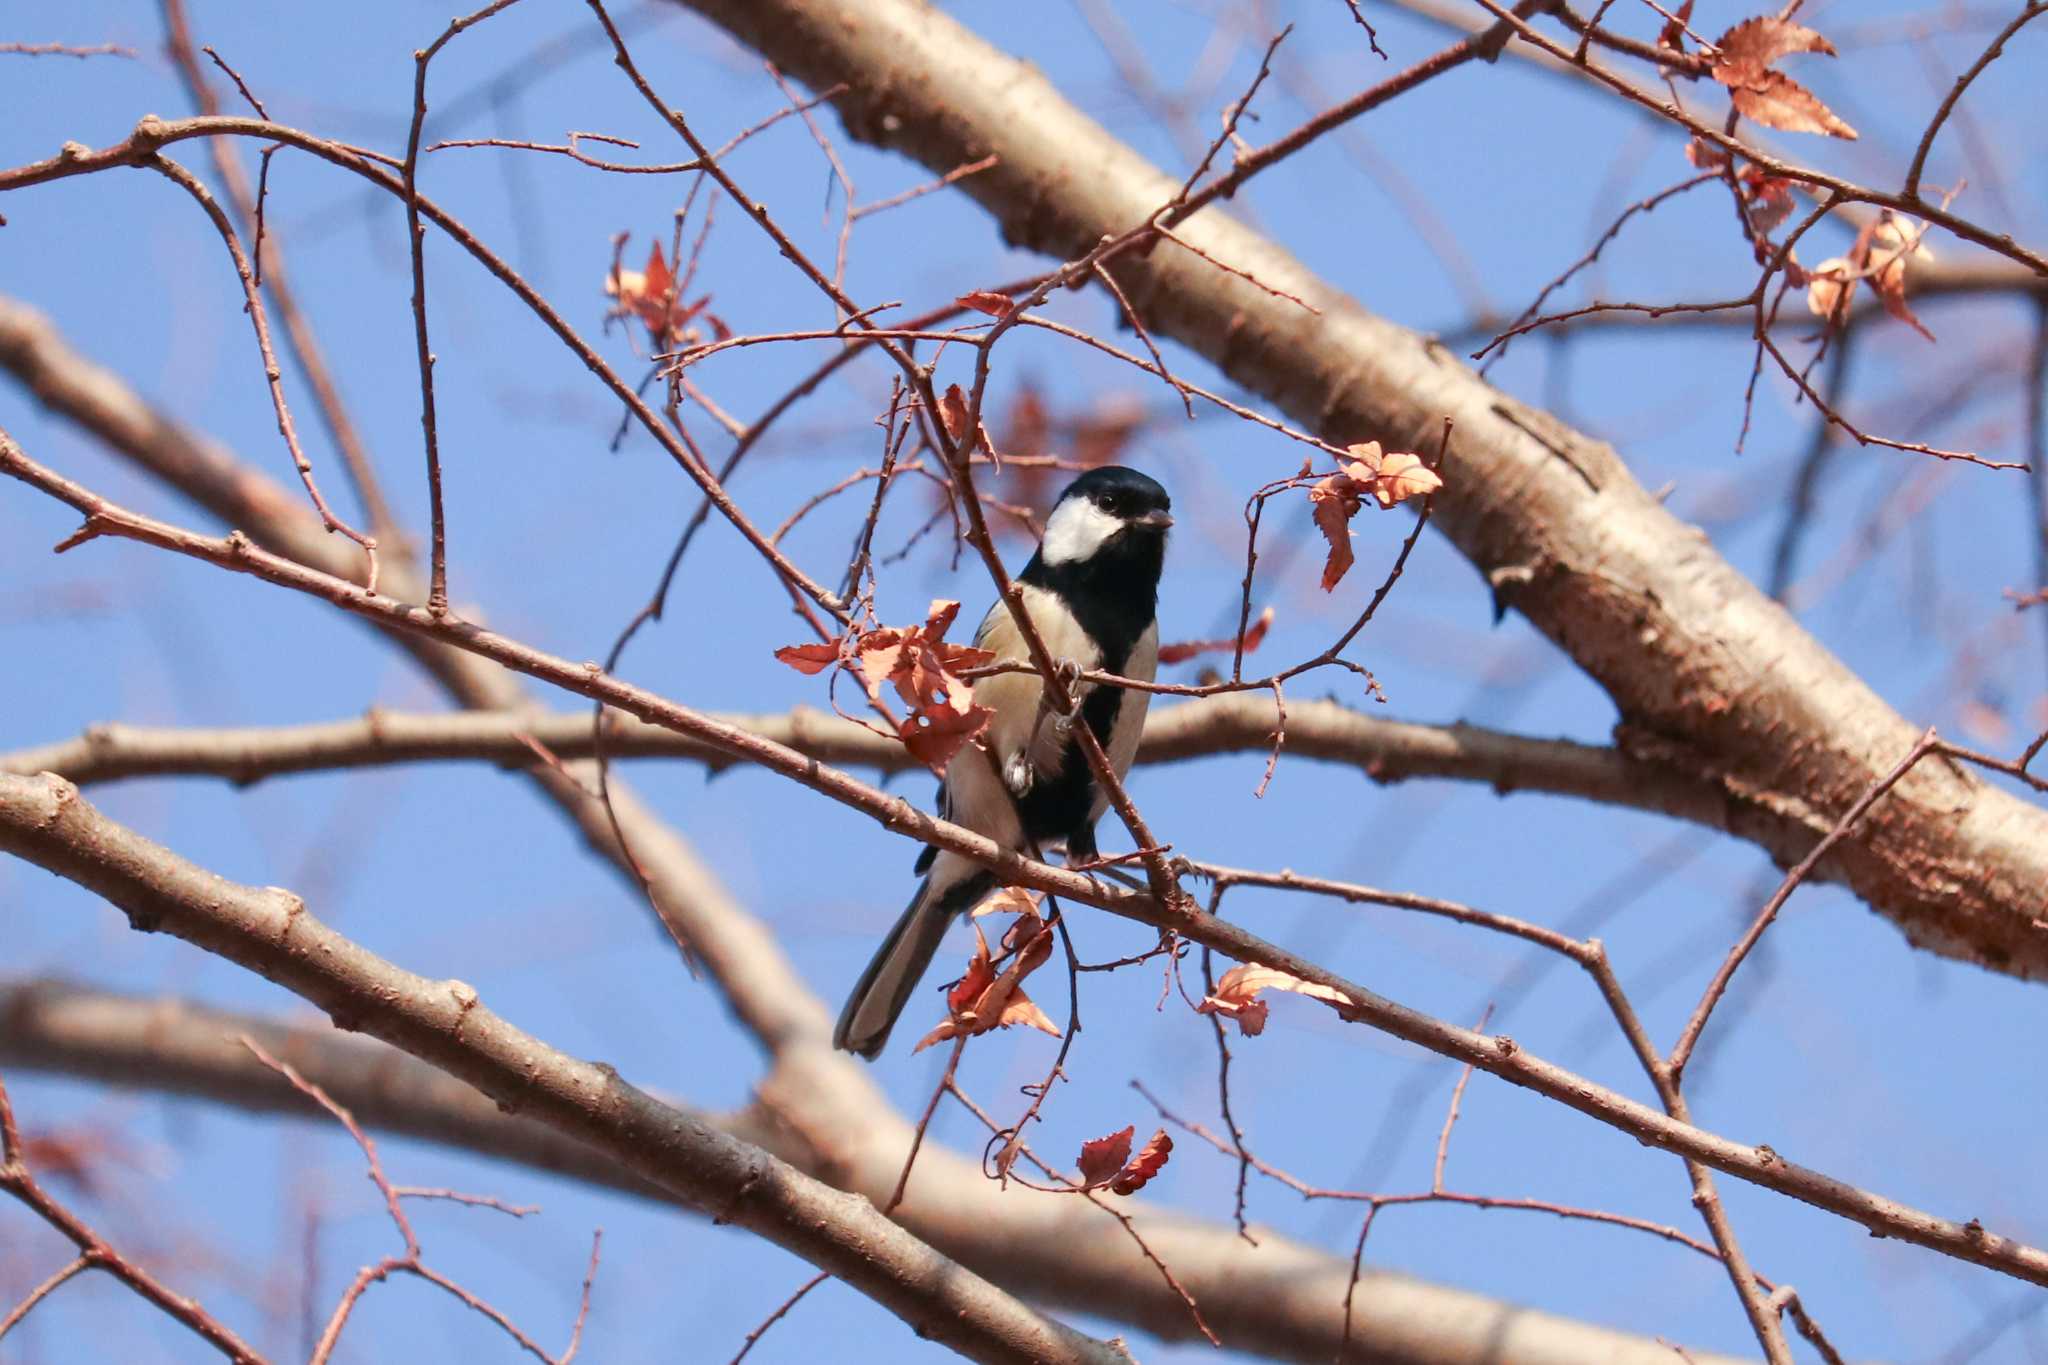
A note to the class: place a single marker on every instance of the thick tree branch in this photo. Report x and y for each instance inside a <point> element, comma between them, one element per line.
<point>1386,751</point>
<point>1711,677</point>
<point>270,932</point>
<point>1280,1299</point>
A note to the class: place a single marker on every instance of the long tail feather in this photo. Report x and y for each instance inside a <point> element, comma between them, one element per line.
<point>900,963</point>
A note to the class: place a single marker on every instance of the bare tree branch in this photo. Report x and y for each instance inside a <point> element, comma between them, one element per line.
<point>1279,1299</point>
<point>270,932</point>
<point>1387,751</point>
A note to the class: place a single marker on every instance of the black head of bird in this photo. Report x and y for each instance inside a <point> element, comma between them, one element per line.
<point>1111,520</point>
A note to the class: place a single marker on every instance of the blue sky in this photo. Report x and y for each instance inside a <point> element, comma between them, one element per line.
<point>1839,1046</point>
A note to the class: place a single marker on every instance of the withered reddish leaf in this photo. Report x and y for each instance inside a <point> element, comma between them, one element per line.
<point>1775,100</point>
<point>879,652</point>
<point>938,618</point>
<point>960,658</point>
<point>1890,283</point>
<point>933,737</point>
<point>1251,1015</point>
<point>953,411</point>
<point>1764,40</point>
<point>1705,155</point>
<point>988,301</point>
<point>1831,288</point>
<point>646,294</point>
<point>1766,199</point>
<point>1771,97</point>
<point>1237,990</point>
<point>1105,1156</point>
<point>924,670</point>
<point>1150,1160</point>
<point>1182,650</point>
<point>1401,477</point>
<point>660,279</point>
<point>1022,1009</point>
<point>985,999</point>
<point>1893,248</point>
<point>980,975</point>
<point>650,296</point>
<point>1008,900</point>
<point>1673,34</point>
<point>810,659</point>
<point>1334,502</point>
<point>1033,939</point>
<point>1019,1009</point>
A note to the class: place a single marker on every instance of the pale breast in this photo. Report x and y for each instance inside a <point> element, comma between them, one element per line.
<point>1029,743</point>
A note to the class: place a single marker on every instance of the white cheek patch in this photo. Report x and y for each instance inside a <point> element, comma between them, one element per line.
<point>1078,529</point>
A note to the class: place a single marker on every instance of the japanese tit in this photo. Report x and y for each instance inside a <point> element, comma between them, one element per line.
<point>1090,591</point>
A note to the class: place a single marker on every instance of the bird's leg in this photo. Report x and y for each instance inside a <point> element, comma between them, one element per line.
<point>1069,674</point>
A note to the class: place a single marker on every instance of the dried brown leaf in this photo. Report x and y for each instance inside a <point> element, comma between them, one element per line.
<point>933,736</point>
<point>1895,245</point>
<point>1237,991</point>
<point>645,294</point>
<point>1766,200</point>
<point>1401,477</point>
<point>650,296</point>
<point>953,411</point>
<point>1764,40</point>
<point>985,999</point>
<point>1705,155</point>
<point>1150,1160</point>
<point>810,659</point>
<point>1831,288</point>
<point>1775,100</point>
<point>1333,502</point>
<point>988,301</point>
<point>1009,900</point>
<point>1673,34</point>
<point>1104,1157</point>
<point>1771,97</point>
<point>1022,1009</point>
<point>925,671</point>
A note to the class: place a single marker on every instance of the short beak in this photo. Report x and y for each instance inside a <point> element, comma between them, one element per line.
<point>1156,521</point>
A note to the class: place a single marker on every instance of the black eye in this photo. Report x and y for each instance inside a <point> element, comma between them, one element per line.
<point>1107,502</point>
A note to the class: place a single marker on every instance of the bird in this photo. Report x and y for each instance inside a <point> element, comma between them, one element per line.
<point>1091,590</point>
